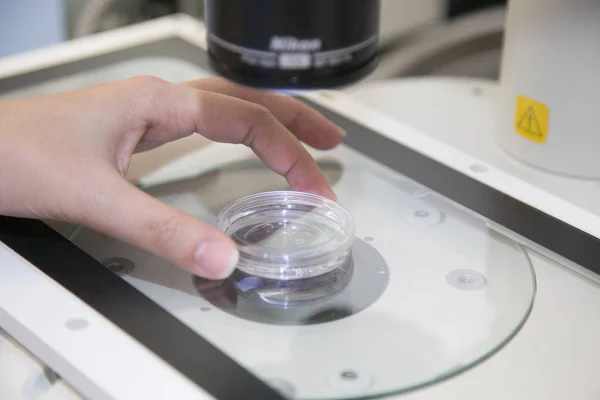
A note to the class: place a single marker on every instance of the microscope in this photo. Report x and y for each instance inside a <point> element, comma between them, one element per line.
<point>451,242</point>
<point>547,76</point>
<point>293,44</point>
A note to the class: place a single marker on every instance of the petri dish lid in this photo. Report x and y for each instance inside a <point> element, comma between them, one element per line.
<point>288,235</point>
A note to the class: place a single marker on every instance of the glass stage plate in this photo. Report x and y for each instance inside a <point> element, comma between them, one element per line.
<point>430,291</point>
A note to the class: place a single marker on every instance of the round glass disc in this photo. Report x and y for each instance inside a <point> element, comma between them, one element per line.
<point>431,292</point>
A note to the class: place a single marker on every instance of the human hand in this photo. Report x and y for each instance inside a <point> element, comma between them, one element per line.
<point>65,156</point>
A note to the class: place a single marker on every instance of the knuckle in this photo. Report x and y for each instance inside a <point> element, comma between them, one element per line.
<point>164,232</point>
<point>260,118</point>
<point>260,113</point>
<point>202,100</point>
<point>145,94</point>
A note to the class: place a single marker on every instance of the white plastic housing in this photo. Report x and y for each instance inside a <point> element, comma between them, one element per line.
<point>551,56</point>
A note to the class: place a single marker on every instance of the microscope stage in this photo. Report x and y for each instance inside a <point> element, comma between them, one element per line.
<point>442,274</point>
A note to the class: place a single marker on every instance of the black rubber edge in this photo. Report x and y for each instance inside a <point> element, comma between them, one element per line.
<point>514,215</point>
<point>132,311</point>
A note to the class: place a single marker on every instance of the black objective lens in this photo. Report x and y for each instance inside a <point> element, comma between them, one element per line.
<point>296,44</point>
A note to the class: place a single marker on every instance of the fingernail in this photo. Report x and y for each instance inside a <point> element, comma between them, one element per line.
<point>216,260</point>
<point>343,132</point>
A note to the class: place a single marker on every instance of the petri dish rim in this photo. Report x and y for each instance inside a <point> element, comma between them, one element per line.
<point>336,246</point>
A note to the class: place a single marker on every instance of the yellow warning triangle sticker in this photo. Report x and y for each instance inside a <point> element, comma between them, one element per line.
<point>532,119</point>
<point>529,123</point>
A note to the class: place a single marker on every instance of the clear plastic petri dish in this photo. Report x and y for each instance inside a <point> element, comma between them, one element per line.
<point>287,235</point>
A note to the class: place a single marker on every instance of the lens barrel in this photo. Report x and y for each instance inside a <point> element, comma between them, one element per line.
<point>295,44</point>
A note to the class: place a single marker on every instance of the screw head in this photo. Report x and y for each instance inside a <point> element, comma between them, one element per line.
<point>76,324</point>
<point>349,375</point>
<point>466,279</point>
<point>478,168</point>
<point>350,380</point>
<point>118,265</point>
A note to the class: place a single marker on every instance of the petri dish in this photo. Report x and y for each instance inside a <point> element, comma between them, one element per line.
<point>288,235</point>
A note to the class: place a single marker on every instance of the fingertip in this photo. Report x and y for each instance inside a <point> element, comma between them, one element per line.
<point>215,259</point>
<point>331,195</point>
<point>329,136</point>
<point>326,192</point>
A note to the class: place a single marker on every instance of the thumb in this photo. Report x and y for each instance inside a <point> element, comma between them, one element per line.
<point>137,218</point>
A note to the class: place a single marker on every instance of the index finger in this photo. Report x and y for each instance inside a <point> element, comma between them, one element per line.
<point>231,120</point>
<point>304,122</point>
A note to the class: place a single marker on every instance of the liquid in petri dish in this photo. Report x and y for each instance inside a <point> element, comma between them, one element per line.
<point>288,235</point>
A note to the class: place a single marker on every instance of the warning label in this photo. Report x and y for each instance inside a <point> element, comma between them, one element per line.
<point>531,119</point>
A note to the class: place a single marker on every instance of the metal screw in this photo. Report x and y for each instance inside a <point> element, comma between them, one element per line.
<point>466,279</point>
<point>421,214</point>
<point>351,381</point>
<point>76,324</point>
<point>349,375</point>
<point>118,265</point>
<point>205,309</point>
<point>478,168</point>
